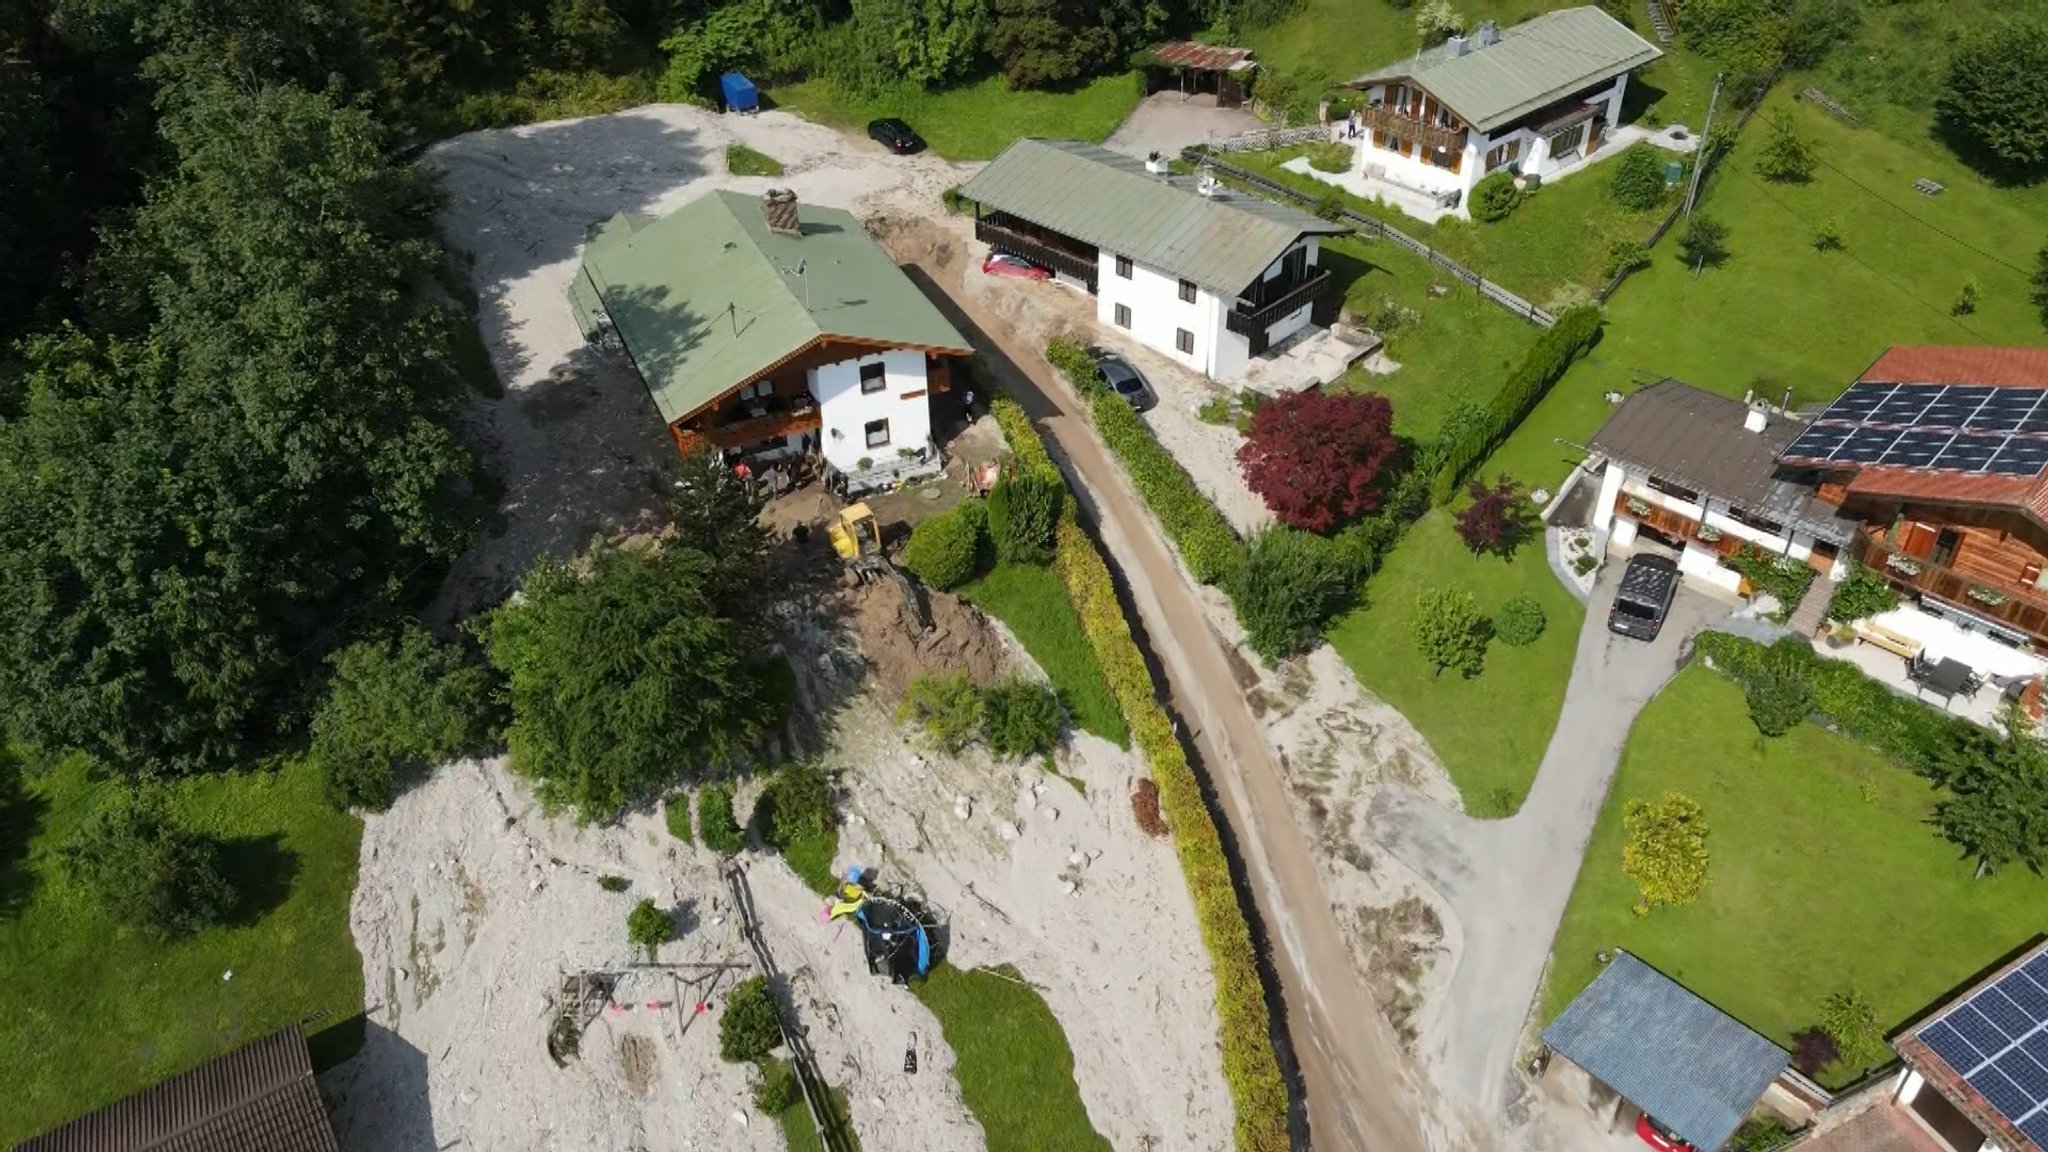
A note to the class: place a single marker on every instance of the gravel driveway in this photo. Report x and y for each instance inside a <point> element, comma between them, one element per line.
<point>1508,880</point>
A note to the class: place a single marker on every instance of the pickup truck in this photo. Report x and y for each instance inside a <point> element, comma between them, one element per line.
<point>1648,585</point>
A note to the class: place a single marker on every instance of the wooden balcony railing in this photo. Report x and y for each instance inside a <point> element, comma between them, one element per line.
<point>2025,611</point>
<point>742,433</point>
<point>1000,233</point>
<point>1408,127</point>
<point>1246,319</point>
<point>1664,520</point>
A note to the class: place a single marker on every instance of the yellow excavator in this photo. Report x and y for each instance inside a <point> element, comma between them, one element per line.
<point>857,537</point>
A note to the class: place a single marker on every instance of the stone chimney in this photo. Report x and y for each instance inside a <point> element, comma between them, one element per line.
<point>1488,34</point>
<point>778,208</point>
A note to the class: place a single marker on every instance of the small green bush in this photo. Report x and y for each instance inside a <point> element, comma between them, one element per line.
<point>797,803</point>
<point>956,203</point>
<point>779,1089</point>
<point>403,700</point>
<point>676,812</point>
<point>1022,510</point>
<point>1704,243</point>
<point>612,883</point>
<point>1495,196</point>
<point>752,1025</point>
<point>1022,718</point>
<point>1862,594</point>
<point>1329,206</point>
<point>1328,156</point>
<point>1638,178</point>
<point>1779,694</point>
<point>649,927</point>
<point>1214,410</point>
<point>945,550</point>
<point>1451,632</point>
<point>1828,236</point>
<point>1783,577</point>
<point>1626,256</point>
<point>1850,1020</point>
<point>1966,300</point>
<point>715,820</point>
<point>144,867</point>
<point>1519,622</point>
<point>949,707</point>
<point>1291,584</point>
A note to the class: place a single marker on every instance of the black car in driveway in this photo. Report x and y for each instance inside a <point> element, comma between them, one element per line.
<point>895,135</point>
<point>1648,585</point>
<point>1124,380</point>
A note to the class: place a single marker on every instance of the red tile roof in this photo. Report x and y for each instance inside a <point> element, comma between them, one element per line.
<point>1201,57</point>
<point>1937,364</point>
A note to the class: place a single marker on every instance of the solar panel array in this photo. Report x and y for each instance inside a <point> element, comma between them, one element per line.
<point>1943,427</point>
<point>1997,1040</point>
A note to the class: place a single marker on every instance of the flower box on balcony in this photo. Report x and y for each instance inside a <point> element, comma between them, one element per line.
<point>1989,597</point>
<point>1903,565</point>
<point>1638,507</point>
<point>1709,534</point>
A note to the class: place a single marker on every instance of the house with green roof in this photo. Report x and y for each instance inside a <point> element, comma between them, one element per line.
<point>1203,274</point>
<point>1538,98</point>
<point>769,329</point>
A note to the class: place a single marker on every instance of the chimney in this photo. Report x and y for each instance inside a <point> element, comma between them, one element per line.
<point>1157,165</point>
<point>1455,46</point>
<point>778,208</point>
<point>1489,33</point>
<point>1756,421</point>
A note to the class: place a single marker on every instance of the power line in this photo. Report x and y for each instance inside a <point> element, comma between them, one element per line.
<point>1928,224</point>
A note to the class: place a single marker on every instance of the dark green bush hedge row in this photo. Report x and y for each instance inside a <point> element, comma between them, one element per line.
<point>1540,368</point>
<point>1907,731</point>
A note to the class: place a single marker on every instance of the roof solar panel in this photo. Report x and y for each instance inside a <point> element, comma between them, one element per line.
<point>1982,1034</point>
<point>1866,445</point>
<point>1905,405</point>
<point>2004,410</point>
<point>1818,442</point>
<point>2036,421</point>
<point>2010,1018</point>
<point>2036,1046</point>
<point>2037,969</point>
<point>2021,457</point>
<point>1949,1044</point>
<point>1916,449</point>
<point>2023,991</point>
<point>1857,403</point>
<point>2037,1129</point>
<point>2009,1098</point>
<point>2026,1075</point>
<point>1969,453</point>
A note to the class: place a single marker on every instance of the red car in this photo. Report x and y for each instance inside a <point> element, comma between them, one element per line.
<point>1659,1137</point>
<point>1003,264</point>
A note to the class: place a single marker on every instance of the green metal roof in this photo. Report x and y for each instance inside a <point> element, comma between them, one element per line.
<point>1535,63</point>
<point>1221,242</point>
<point>707,298</point>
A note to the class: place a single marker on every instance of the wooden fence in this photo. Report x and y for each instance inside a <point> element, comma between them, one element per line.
<point>1374,226</point>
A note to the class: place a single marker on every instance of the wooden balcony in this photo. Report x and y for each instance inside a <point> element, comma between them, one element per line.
<point>1664,520</point>
<point>1252,318</point>
<point>2025,611</point>
<point>1019,238</point>
<point>1388,120</point>
<point>749,431</point>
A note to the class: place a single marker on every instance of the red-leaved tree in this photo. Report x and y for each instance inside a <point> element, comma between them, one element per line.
<point>1315,458</point>
<point>1497,519</point>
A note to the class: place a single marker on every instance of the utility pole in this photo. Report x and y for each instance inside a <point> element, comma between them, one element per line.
<point>1706,141</point>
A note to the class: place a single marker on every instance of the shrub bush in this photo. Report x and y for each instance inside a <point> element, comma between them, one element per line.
<point>142,865</point>
<point>1497,520</point>
<point>752,1025</point>
<point>1626,255</point>
<point>1022,510</point>
<point>949,707</point>
<point>1317,458</point>
<point>404,700</point>
<point>1214,410</point>
<point>1787,157</point>
<point>2039,280</point>
<point>1540,367</point>
<point>945,550</point>
<point>1666,851</point>
<point>1779,694</point>
<point>1862,594</point>
<point>1328,155</point>
<point>779,1089</point>
<point>1827,237</point>
<point>1495,196</point>
<point>1027,451</point>
<point>676,813</point>
<point>649,927</point>
<point>715,821</point>
<point>1638,179</point>
<point>1450,631</point>
<point>1850,1020</point>
<point>612,883</point>
<point>1704,243</point>
<point>797,803</point>
<point>1966,300</point>
<point>955,202</point>
<point>1022,718</point>
<point>1520,622</point>
<point>1784,578</point>
<point>1291,584</point>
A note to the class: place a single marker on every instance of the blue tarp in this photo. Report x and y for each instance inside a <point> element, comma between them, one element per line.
<point>739,92</point>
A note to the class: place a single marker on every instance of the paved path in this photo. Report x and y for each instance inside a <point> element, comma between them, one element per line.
<point>1508,880</point>
<point>1355,1082</point>
<point>1165,123</point>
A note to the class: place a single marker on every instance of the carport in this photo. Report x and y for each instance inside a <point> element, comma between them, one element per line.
<point>1199,68</point>
<point>1648,1046</point>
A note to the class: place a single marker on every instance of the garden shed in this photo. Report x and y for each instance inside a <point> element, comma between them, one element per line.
<point>1200,68</point>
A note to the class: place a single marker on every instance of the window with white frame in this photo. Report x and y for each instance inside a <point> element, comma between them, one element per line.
<point>877,433</point>
<point>873,378</point>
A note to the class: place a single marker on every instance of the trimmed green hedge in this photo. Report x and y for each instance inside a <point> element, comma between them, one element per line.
<point>1909,732</point>
<point>1540,368</point>
<point>1212,549</point>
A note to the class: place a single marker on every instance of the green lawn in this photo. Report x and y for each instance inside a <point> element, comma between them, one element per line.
<point>1489,731</point>
<point>1823,874</point>
<point>974,121</point>
<point>1779,314</point>
<point>800,1132</point>
<point>1455,349</point>
<point>741,160</point>
<point>1015,1070</point>
<point>91,1010</point>
<point>1031,601</point>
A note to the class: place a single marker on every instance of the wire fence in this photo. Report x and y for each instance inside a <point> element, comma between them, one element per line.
<point>1374,226</point>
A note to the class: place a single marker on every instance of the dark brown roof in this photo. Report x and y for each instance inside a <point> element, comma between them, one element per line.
<point>258,1098</point>
<point>1201,57</point>
<point>1931,364</point>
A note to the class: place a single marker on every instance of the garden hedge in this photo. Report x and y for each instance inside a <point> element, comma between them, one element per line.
<point>1212,549</point>
<point>1545,362</point>
<point>1250,1067</point>
<point>1907,731</point>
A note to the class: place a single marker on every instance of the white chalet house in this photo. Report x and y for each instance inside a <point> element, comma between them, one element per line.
<point>772,331</point>
<point>1534,98</point>
<point>1208,276</point>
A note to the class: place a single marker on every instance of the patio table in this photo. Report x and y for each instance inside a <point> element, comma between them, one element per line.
<point>1947,678</point>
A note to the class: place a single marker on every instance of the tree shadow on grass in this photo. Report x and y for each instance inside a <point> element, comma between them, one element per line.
<point>21,813</point>
<point>262,870</point>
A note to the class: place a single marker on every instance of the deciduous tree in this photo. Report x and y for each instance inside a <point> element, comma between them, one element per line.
<point>1997,809</point>
<point>1666,851</point>
<point>1498,518</point>
<point>1787,156</point>
<point>1291,584</point>
<point>398,700</point>
<point>145,867</point>
<point>1316,458</point>
<point>1779,693</point>
<point>1850,1020</point>
<point>1994,102</point>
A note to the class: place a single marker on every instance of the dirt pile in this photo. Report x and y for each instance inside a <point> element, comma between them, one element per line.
<point>961,639</point>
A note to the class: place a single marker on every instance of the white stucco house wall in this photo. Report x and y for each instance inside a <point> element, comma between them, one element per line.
<point>774,332</point>
<point>1207,276</point>
<point>1536,98</point>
